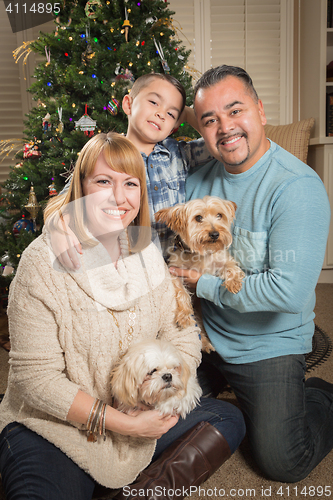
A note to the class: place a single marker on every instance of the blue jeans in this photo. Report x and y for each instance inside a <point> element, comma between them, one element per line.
<point>289,426</point>
<point>33,468</point>
<point>225,417</point>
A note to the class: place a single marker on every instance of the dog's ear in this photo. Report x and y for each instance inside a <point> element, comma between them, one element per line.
<point>124,384</point>
<point>232,207</point>
<point>185,375</point>
<point>172,217</point>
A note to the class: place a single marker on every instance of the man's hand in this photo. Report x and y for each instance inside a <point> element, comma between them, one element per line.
<point>188,116</point>
<point>190,277</point>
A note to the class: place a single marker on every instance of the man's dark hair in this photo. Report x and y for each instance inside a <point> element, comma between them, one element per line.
<point>215,75</point>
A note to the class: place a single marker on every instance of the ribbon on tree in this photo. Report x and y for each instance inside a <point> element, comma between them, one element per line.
<point>165,65</point>
<point>48,56</point>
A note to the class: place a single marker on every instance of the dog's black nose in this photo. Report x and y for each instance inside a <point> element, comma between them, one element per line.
<point>167,377</point>
<point>214,235</point>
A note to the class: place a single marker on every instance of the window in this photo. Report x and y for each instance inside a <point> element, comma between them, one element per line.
<point>254,34</point>
<point>15,79</point>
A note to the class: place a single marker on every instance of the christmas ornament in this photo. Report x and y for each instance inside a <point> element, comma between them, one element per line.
<point>52,189</point>
<point>30,150</point>
<point>8,268</point>
<point>61,27</point>
<point>48,56</point>
<point>61,125</point>
<point>5,260</point>
<point>165,65</point>
<point>86,124</point>
<point>113,106</point>
<point>127,25</point>
<point>126,77</point>
<point>47,123</point>
<point>68,171</point>
<point>151,20</point>
<point>88,54</point>
<point>91,8</point>
<point>26,224</point>
<point>32,206</point>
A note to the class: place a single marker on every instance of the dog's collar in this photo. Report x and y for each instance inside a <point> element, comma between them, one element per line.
<point>179,244</point>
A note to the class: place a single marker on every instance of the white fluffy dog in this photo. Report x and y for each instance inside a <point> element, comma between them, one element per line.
<point>153,375</point>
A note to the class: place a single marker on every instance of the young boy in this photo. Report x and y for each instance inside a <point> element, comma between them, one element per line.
<point>155,105</point>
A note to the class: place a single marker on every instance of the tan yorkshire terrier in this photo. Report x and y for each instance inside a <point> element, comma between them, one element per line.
<point>203,237</point>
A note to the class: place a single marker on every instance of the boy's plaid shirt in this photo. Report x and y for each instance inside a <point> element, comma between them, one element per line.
<point>166,171</point>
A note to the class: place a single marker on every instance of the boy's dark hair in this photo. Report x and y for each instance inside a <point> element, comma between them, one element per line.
<point>215,75</point>
<point>145,80</point>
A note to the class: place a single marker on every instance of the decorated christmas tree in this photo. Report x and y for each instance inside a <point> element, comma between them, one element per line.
<point>96,51</point>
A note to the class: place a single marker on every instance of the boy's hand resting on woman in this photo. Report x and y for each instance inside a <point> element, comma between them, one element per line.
<point>65,245</point>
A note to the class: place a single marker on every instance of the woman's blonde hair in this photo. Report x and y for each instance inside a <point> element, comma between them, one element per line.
<point>122,156</point>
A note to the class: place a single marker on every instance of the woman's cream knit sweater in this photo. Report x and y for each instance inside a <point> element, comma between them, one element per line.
<point>64,339</point>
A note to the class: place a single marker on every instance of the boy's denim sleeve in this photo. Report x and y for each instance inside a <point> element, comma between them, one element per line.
<point>197,152</point>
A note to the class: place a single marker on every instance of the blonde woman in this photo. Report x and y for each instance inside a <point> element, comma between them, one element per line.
<point>67,331</point>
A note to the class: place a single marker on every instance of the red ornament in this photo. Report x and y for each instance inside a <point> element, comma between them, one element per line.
<point>52,190</point>
<point>31,150</point>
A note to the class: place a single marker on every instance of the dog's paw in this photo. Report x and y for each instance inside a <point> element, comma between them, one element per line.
<point>233,286</point>
<point>206,346</point>
<point>234,280</point>
<point>184,319</point>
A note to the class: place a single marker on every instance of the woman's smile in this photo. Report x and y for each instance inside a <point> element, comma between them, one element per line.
<point>114,213</point>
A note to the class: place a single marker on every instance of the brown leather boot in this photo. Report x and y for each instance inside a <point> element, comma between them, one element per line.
<point>189,461</point>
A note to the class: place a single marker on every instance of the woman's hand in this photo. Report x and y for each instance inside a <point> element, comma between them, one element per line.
<point>146,424</point>
<point>66,246</point>
<point>151,424</point>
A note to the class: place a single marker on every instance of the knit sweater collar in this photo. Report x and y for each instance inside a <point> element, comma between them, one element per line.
<point>111,287</point>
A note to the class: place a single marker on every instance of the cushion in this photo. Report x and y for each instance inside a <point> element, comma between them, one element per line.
<point>293,137</point>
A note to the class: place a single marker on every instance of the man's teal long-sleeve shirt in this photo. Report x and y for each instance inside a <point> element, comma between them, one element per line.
<point>279,240</point>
